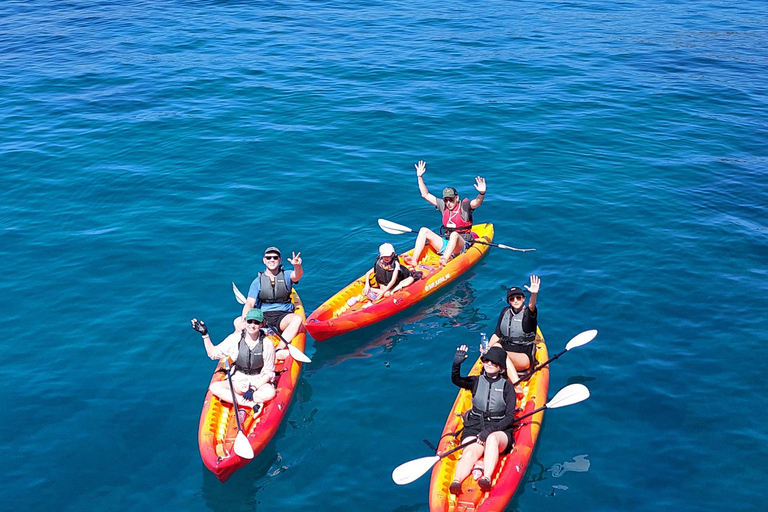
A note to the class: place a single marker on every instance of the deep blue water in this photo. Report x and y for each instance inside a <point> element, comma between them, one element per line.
<point>151,150</point>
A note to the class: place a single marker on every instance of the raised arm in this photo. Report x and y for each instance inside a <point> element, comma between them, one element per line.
<point>421,168</point>
<point>534,289</point>
<point>480,186</point>
<point>298,271</point>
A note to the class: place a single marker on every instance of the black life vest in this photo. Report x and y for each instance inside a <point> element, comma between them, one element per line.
<point>250,361</point>
<point>384,273</point>
<point>512,328</point>
<point>279,292</point>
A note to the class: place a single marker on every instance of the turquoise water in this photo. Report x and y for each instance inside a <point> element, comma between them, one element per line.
<point>151,150</point>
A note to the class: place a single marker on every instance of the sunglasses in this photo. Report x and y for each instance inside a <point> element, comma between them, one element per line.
<point>449,199</point>
<point>517,297</point>
<point>489,361</point>
<point>271,257</point>
<point>253,322</point>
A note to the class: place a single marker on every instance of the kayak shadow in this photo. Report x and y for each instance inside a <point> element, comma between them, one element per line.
<point>453,309</point>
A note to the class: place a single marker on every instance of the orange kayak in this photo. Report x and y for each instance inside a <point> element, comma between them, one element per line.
<point>218,426</point>
<point>510,468</point>
<point>336,316</point>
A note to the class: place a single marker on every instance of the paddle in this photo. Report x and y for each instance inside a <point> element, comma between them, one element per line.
<point>294,351</point>
<point>398,229</point>
<point>580,339</point>
<point>242,446</point>
<point>412,470</point>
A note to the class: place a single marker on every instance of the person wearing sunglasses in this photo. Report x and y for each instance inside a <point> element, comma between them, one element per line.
<point>516,328</point>
<point>456,220</point>
<point>489,419</point>
<point>271,292</point>
<point>387,273</point>
<point>253,353</point>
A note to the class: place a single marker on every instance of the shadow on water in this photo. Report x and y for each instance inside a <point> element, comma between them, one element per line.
<point>454,309</point>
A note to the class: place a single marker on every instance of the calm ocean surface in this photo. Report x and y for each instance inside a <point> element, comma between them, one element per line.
<point>151,150</point>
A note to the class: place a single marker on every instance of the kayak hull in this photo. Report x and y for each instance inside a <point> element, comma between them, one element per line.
<point>510,469</point>
<point>336,316</point>
<point>218,425</point>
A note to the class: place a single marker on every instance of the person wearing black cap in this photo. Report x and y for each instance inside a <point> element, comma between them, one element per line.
<point>457,220</point>
<point>489,419</point>
<point>516,328</point>
<point>271,292</point>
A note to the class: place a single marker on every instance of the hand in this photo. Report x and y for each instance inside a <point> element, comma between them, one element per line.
<point>460,355</point>
<point>421,168</point>
<point>199,326</point>
<point>480,185</point>
<point>248,395</point>
<point>296,260</point>
<point>535,284</point>
<point>483,436</point>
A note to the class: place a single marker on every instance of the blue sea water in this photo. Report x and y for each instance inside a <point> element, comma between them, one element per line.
<point>151,150</point>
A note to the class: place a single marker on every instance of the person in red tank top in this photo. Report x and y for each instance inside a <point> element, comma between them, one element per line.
<point>457,220</point>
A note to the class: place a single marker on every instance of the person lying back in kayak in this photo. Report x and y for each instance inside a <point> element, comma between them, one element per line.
<point>389,274</point>
<point>516,328</point>
<point>489,419</point>
<point>457,220</point>
<point>271,292</point>
<point>253,352</point>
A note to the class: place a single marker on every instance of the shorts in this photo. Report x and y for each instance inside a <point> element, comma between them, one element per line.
<point>528,349</point>
<point>510,438</point>
<point>467,243</point>
<point>242,381</point>
<point>273,318</point>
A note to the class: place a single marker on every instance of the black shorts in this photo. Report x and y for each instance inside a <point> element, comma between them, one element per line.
<point>528,349</point>
<point>510,439</point>
<point>273,318</point>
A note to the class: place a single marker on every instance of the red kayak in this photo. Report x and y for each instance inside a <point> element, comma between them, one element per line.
<point>347,310</point>
<point>218,425</point>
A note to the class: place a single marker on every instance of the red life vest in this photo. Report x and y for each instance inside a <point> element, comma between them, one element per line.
<point>452,220</point>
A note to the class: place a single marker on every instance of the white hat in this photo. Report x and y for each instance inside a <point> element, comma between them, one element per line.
<point>386,250</point>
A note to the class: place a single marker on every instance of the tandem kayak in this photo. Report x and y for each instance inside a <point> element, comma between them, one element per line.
<point>337,316</point>
<point>510,468</point>
<point>218,425</point>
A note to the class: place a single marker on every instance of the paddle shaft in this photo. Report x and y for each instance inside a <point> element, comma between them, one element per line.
<point>539,367</point>
<point>234,399</point>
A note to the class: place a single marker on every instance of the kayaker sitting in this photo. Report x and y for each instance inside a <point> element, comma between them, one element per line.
<point>253,353</point>
<point>490,418</point>
<point>456,220</point>
<point>516,328</point>
<point>387,273</point>
<point>271,292</point>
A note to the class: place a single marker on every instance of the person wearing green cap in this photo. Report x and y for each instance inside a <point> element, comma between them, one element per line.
<point>456,216</point>
<point>253,353</point>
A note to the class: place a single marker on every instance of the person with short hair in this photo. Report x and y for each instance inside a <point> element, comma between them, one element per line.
<point>516,328</point>
<point>253,353</point>
<point>489,420</point>
<point>456,220</point>
<point>271,292</point>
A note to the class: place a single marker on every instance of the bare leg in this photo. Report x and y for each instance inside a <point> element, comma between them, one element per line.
<point>426,235</point>
<point>494,445</point>
<point>469,456</point>
<point>402,284</point>
<point>290,326</point>
<point>454,248</point>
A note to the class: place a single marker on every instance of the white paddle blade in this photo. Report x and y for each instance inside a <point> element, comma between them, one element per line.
<point>393,228</point>
<point>569,395</point>
<point>413,469</point>
<point>298,354</point>
<point>242,447</point>
<point>581,339</point>
<point>238,295</point>
<point>502,246</point>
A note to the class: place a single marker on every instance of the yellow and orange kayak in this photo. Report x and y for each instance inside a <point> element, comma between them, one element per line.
<point>510,468</point>
<point>343,312</point>
<point>218,426</point>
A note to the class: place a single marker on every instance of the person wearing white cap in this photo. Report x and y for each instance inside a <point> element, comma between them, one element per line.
<point>388,274</point>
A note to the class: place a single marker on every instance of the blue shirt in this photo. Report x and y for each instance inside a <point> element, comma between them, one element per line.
<point>253,293</point>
